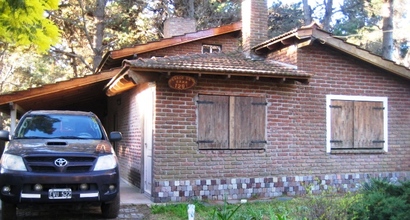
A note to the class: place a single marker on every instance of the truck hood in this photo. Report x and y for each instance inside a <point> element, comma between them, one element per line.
<point>70,146</point>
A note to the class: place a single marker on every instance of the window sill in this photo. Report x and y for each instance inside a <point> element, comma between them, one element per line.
<point>230,151</point>
<point>358,151</point>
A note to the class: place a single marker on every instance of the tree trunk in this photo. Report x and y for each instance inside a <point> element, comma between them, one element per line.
<point>307,13</point>
<point>98,49</point>
<point>191,8</point>
<point>328,15</point>
<point>387,48</point>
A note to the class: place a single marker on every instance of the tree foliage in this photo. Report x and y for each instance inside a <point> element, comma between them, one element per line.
<point>360,22</point>
<point>92,27</point>
<point>22,24</point>
<point>284,17</point>
<point>208,14</point>
<point>24,30</point>
<point>363,23</point>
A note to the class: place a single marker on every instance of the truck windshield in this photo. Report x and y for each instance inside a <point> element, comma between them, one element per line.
<point>59,126</point>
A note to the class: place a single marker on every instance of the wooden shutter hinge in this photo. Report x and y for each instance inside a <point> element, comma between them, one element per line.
<point>378,141</point>
<point>204,102</point>
<point>336,141</point>
<point>259,142</point>
<point>205,142</point>
<point>259,103</point>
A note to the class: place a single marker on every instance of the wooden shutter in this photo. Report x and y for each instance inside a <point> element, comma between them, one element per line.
<point>213,122</point>
<point>368,126</point>
<point>342,121</point>
<point>249,118</point>
<point>357,125</point>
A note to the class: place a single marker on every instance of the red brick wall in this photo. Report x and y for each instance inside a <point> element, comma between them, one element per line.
<point>124,109</point>
<point>286,55</point>
<point>296,131</point>
<point>229,42</point>
<point>296,123</point>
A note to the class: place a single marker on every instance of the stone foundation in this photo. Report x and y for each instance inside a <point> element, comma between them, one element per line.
<point>265,187</point>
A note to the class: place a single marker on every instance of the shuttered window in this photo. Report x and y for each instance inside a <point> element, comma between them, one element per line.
<point>228,122</point>
<point>357,125</point>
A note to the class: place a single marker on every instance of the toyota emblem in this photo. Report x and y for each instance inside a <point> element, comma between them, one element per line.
<point>61,162</point>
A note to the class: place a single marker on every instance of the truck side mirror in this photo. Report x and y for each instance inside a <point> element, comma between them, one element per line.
<point>115,136</point>
<point>4,135</point>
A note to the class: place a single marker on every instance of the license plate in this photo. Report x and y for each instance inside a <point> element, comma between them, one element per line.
<point>59,193</point>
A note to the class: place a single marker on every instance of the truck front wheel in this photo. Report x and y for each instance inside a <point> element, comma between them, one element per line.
<point>8,211</point>
<point>112,208</point>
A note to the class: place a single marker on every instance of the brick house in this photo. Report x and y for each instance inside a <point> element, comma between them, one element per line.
<point>261,117</point>
<point>228,112</point>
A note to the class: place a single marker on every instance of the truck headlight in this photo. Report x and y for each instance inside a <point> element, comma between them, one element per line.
<point>13,162</point>
<point>106,162</point>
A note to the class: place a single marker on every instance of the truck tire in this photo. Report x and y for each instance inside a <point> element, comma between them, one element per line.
<point>8,211</point>
<point>112,208</point>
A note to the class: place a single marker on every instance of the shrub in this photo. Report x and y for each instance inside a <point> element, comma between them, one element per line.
<point>327,205</point>
<point>380,199</point>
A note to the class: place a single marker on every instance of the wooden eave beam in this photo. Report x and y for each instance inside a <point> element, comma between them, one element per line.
<point>120,84</point>
<point>301,34</point>
<point>362,54</point>
<point>128,80</point>
<point>288,41</point>
<point>142,77</point>
<point>305,43</point>
<point>304,33</point>
<point>133,77</point>
<point>57,87</point>
<point>274,43</point>
<point>227,75</point>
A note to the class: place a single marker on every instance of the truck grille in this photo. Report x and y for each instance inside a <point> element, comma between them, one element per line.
<point>40,164</point>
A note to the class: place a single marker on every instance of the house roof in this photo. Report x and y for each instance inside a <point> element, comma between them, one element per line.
<point>227,64</point>
<point>69,94</point>
<point>236,64</point>
<point>216,63</point>
<point>114,58</point>
<point>304,36</point>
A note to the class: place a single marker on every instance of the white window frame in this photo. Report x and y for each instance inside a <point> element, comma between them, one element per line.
<point>329,98</point>
<point>212,47</point>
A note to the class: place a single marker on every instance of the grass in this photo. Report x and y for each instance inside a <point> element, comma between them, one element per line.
<point>324,206</point>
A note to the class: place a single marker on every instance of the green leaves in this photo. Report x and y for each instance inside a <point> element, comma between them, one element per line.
<point>226,212</point>
<point>382,200</point>
<point>23,24</point>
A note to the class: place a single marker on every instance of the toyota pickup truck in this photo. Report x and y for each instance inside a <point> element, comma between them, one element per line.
<point>59,157</point>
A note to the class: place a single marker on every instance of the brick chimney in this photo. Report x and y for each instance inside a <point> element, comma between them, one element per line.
<point>254,24</point>
<point>178,26</point>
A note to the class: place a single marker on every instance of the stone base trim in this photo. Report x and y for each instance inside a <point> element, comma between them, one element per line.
<point>263,187</point>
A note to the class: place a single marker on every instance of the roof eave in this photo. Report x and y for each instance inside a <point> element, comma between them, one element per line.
<point>130,77</point>
<point>313,33</point>
<point>353,50</point>
<point>55,87</point>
